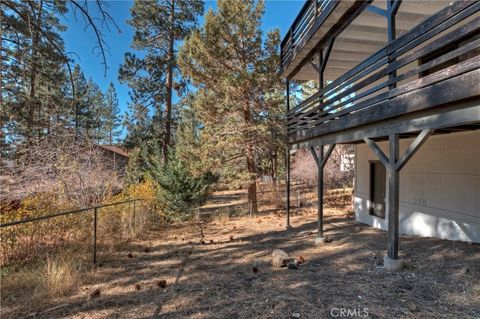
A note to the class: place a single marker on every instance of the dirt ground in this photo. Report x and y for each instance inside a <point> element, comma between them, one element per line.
<point>214,279</point>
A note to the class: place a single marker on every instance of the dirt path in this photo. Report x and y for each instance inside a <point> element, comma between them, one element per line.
<point>215,279</point>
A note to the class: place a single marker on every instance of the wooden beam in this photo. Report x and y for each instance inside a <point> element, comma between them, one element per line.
<point>320,192</point>
<point>287,161</point>
<point>314,154</point>
<point>371,20</point>
<point>392,199</point>
<point>326,54</point>
<point>377,10</point>
<point>327,155</point>
<point>378,151</point>
<point>413,148</point>
<point>395,5</point>
<point>392,8</point>
<point>422,94</point>
<point>293,63</point>
<point>345,12</point>
<point>321,160</point>
<point>444,117</point>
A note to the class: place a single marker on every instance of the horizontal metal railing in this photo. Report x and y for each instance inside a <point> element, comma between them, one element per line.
<point>81,210</point>
<point>374,80</point>
<point>93,209</point>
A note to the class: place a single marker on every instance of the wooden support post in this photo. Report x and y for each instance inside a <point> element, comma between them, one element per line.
<point>287,163</point>
<point>392,8</point>
<point>393,165</point>
<point>323,55</point>
<point>320,69</point>
<point>392,196</point>
<point>321,160</point>
<point>320,193</point>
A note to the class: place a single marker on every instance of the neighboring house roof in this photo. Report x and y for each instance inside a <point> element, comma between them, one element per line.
<point>115,149</point>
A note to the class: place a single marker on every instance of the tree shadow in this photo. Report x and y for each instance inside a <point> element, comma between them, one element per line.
<point>215,280</point>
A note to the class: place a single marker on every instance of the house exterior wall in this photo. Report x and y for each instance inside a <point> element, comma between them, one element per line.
<point>439,188</point>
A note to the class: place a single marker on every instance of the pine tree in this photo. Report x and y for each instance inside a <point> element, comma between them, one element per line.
<point>159,25</point>
<point>138,125</point>
<point>179,191</point>
<point>36,72</point>
<point>32,72</point>
<point>236,73</point>
<point>110,117</point>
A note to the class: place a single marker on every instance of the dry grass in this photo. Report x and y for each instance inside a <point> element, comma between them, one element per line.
<point>215,279</point>
<point>61,276</point>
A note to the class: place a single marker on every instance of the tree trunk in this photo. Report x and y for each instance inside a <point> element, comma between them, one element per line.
<point>33,70</point>
<point>169,84</point>
<point>252,187</point>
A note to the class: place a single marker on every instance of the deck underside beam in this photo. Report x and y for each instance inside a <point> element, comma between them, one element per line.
<point>465,113</point>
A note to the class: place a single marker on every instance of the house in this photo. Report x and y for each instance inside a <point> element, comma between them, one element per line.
<point>118,158</point>
<point>401,81</point>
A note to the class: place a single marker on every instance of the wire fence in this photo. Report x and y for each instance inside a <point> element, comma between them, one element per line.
<point>43,257</point>
<point>271,198</point>
<point>36,253</point>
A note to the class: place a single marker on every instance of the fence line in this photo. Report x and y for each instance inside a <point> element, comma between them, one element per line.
<point>77,211</point>
<point>81,210</point>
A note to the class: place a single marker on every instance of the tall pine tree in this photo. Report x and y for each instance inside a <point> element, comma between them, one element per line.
<point>36,74</point>
<point>236,73</point>
<point>159,25</point>
<point>110,117</point>
<point>32,72</point>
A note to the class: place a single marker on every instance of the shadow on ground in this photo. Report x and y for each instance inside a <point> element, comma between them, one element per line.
<point>215,279</point>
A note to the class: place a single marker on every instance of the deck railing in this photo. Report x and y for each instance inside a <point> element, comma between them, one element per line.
<point>300,28</point>
<point>443,46</point>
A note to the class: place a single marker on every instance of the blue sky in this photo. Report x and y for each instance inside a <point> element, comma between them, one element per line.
<point>278,14</point>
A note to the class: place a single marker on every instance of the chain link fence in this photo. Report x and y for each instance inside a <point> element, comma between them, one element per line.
<point>45,256</point>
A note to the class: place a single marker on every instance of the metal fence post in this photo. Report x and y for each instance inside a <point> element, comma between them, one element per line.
<point>298,198</point>
<point>95,212</point>
<point>134,216</point>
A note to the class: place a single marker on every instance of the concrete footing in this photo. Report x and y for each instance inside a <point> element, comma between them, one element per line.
<point>392,265</point>
<point>320,240</point>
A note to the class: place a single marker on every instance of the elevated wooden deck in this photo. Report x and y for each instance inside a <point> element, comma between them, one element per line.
<point>433,65</point>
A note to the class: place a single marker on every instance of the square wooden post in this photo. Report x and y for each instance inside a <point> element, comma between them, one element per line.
<point>320,236</point>
<point>393,182</point>
<point>287,163</point>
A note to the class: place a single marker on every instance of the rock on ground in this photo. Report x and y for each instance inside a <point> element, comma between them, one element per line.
<point>278,258</point>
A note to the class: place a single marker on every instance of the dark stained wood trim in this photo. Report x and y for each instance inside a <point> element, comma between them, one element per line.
<point>377,10</point>
<point>347,18</point>
<point>393,196</point>
<point>444,19</point>
<point>462,114</point>
<point>413,148</point>
<point>378,151</point>
<point>422,93</point>
<point>325,115</point>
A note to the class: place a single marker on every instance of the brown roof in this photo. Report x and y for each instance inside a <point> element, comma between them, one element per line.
<point>115,149</point>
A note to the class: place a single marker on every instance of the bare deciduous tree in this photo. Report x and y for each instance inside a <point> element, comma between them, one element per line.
<point>339,170</point>
<point>66,165</point>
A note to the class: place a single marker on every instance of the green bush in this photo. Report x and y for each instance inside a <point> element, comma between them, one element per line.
<point>179,191</point>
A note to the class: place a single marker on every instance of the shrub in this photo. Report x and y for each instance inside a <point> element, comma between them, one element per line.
<point>179,190</point>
